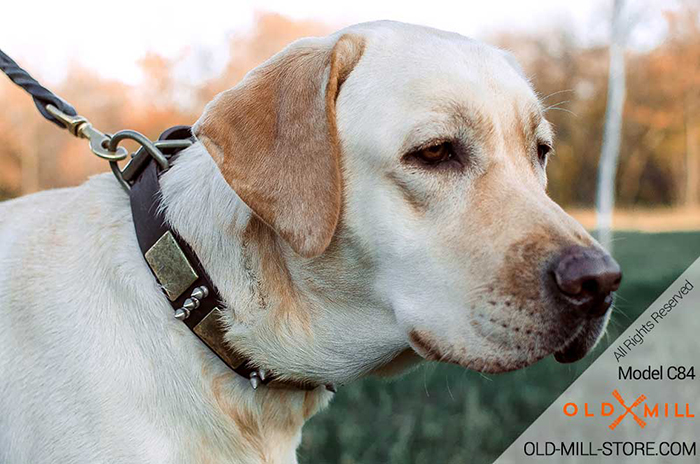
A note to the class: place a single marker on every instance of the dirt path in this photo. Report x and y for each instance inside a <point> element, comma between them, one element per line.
<point>645,220</point>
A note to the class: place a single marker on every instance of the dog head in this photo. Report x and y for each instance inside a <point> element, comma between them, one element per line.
<point>402,170</point>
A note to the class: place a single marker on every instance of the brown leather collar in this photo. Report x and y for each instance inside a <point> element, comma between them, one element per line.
<point>174,264</point>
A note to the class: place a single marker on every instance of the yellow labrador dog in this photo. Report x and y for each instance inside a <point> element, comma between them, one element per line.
<point>361,201</point>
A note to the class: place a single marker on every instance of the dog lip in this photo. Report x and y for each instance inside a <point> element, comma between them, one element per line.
<point>424,348</point>
<point>576,348</point>
<point>571,353</point>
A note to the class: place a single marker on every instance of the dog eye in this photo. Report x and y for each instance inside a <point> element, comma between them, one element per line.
<point>543,151</point>
<point>434,154</point>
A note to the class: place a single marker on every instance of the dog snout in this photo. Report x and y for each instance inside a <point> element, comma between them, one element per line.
<point>587,277</point>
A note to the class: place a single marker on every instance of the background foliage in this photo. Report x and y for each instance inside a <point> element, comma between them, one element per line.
<point>660,160</point>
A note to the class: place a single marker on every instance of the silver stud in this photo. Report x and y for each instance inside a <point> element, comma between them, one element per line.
<point>182,314</point>
<point>191,303</point>
<point>254,380</point>
<point>332,388</point>
<point>200,292</point>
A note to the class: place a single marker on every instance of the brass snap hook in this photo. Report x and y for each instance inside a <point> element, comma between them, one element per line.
<point>80,127</point>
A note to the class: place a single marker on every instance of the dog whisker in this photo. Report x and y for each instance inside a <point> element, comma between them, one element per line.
<point>557,105</point>
<point>616,310</point>
<point>557,93</point>
<point>425,384</point>
<point>447,382</point>
<point>565,110</point>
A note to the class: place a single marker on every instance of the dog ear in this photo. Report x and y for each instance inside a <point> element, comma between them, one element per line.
<point>275,140</point>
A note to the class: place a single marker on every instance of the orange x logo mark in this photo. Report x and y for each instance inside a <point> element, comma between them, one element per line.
<point>628,410</point>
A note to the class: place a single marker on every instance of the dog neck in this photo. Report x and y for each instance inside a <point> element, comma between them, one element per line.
<point>247,264</point>
<point>312,320</point>
<point>316,320</point>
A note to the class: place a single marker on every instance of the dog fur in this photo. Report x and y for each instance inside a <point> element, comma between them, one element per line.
<point>336,254</point>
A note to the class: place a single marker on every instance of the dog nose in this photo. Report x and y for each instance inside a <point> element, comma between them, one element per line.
<point>587,277</point>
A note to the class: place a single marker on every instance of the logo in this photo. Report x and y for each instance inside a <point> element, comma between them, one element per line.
<point>634,411</point>
<point>628,410</point>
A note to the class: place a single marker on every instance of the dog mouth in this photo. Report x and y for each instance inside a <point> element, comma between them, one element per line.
<point>572,347</point>
<point>581,343</point>
<point>573,350</point>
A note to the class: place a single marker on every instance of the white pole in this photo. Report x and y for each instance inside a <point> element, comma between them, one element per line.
<point>612,132</point>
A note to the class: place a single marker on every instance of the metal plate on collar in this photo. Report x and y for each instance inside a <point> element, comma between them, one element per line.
<point>170,266</point>
<point>211,331</point>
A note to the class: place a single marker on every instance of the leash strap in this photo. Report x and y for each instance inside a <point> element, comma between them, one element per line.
<point>59,112</point>
<point>41,95</point>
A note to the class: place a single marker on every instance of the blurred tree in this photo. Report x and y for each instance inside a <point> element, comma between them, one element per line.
<point>662,117</point>
<point>658,162</point>
<point>270,34</point>
<point>684,42</point>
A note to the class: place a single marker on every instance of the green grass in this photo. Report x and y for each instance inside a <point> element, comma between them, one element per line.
<point>442,414</point>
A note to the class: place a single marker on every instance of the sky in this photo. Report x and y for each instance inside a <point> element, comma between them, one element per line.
<point>110,37</point>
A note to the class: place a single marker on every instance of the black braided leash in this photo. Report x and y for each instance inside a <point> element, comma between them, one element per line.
<point>41,95</point>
